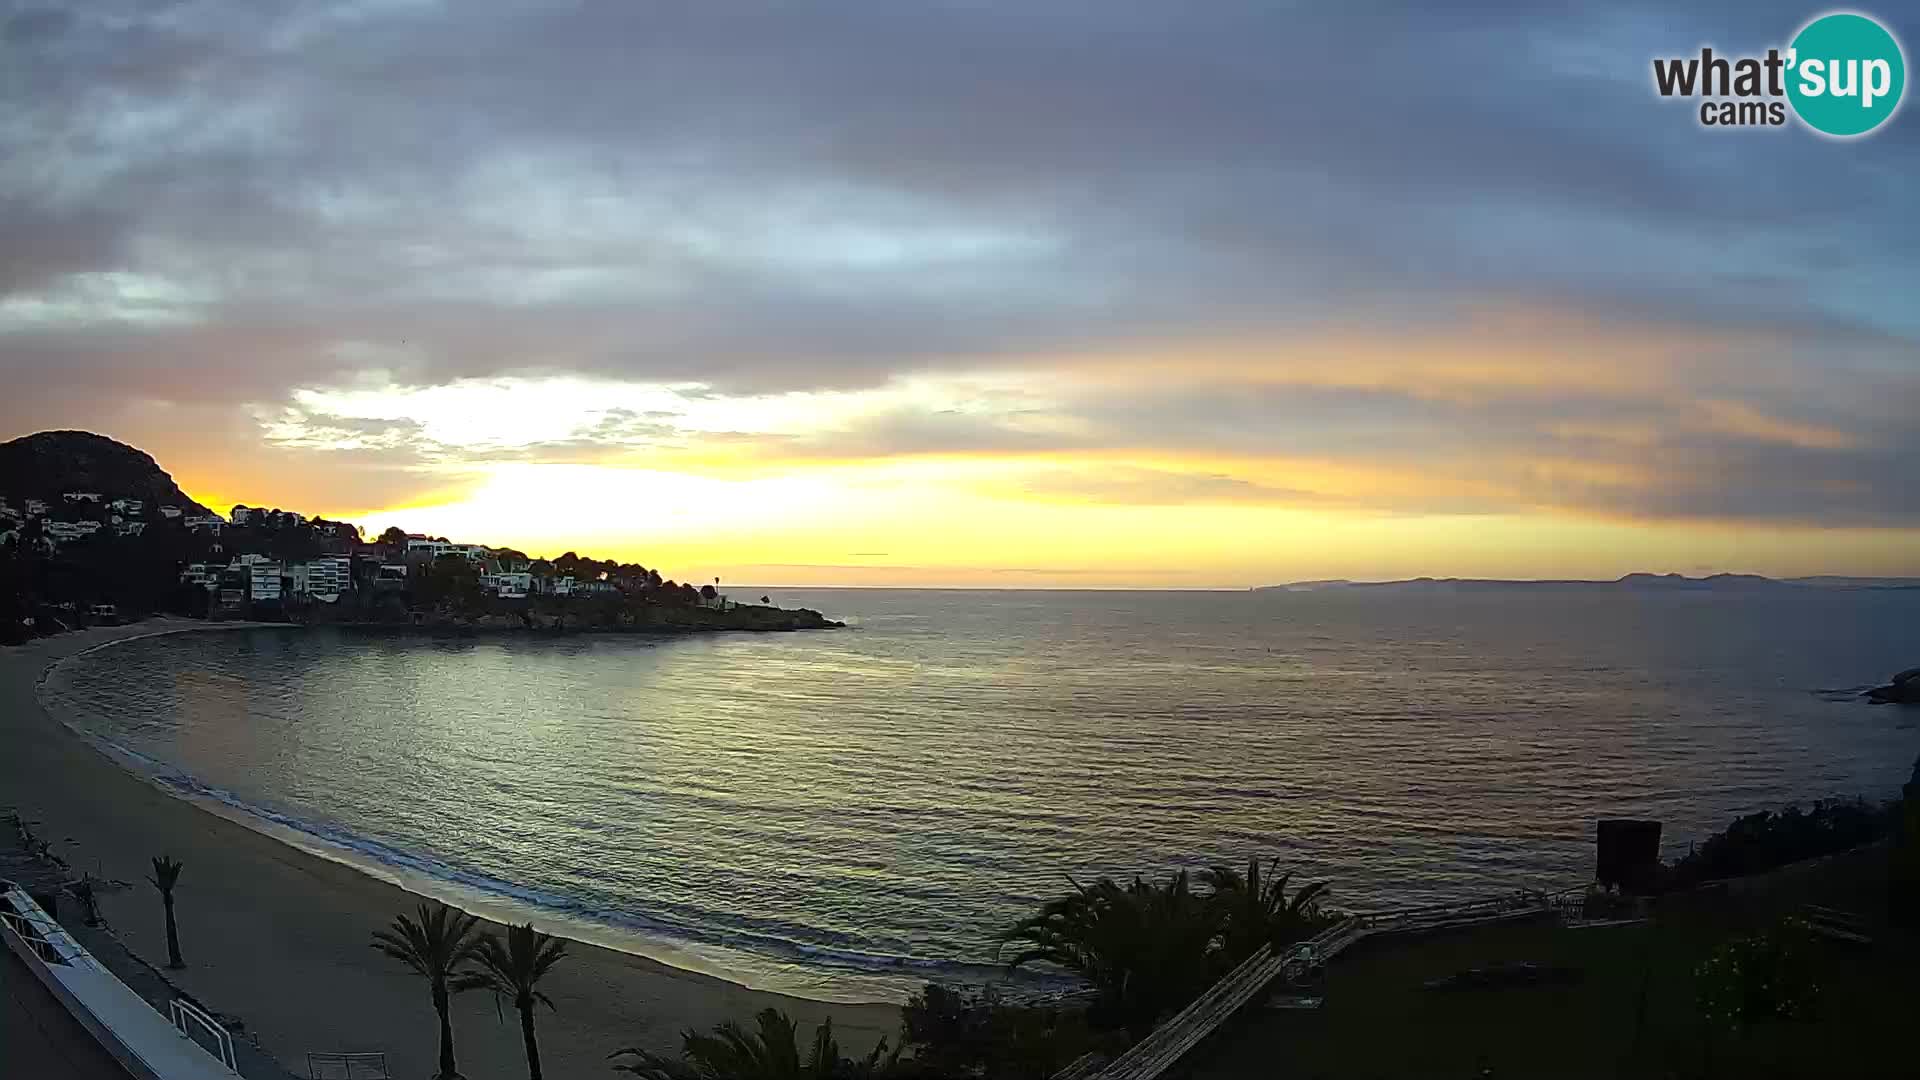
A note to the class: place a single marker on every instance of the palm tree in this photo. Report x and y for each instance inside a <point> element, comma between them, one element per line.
<point>515,969</point>
<point>166,874</point>
<point>1254,910</point>
<point>1146,950</point>
<point>439,946</point>
<point>771,1053</point>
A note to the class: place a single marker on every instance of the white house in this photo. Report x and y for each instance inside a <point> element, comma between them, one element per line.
<point>422,547</point>
<point>205,575</point>
<point>240,515</point>
<point>71,530</point>
<point>264,575</point>
<point>508,585</point>
<point>209,523</point>
<point>169,511</point>
<point>36,507</point>
<point>130,528</point>
<point>82,496</point>
<point>326,577</point>
<point>127,506</point>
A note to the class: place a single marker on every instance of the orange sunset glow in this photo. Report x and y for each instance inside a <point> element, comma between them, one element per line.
<point>789,335</point>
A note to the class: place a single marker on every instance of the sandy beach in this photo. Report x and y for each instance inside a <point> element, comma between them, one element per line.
<point>279,936</point>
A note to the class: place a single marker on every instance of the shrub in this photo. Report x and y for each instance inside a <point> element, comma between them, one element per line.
<point>957,1032</point>
<point>1768,839</point>
<point>1758,979</point>
<point>1147,950</point>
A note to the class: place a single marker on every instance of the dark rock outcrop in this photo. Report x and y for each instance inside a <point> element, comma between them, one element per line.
<point>1903,690</point>
<point>48,464</point>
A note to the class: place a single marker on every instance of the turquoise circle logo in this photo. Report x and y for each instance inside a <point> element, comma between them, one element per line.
<point>1847,74</point>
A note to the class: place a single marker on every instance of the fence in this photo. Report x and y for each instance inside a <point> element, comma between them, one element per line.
<point>148,1045</point>
<point>1167,1044</point>
<point>51,943</point>
<point>348,1066</point>
<point>194,1023</point>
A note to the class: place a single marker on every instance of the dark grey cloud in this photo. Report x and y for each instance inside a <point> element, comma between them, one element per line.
<point>215,203</point>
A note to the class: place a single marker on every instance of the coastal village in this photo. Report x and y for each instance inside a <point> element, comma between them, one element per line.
<point>93,531</point>
<point>256,562</point>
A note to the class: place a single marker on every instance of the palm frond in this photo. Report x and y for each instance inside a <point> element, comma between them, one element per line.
<point>651,1066</point>
<point>514,968</point>
<point>166,873</point>
<point>438,944</point>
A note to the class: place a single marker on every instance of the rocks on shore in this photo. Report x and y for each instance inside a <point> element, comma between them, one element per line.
<point>587,618</point>
<point>1903,690</point>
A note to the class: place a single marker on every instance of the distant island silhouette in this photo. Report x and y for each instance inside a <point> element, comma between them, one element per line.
<point>1632,582</point>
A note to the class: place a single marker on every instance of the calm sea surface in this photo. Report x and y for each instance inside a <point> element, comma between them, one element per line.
<point>847,813</point>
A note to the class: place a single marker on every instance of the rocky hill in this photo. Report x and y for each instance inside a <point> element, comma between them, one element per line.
<point>48,464</point>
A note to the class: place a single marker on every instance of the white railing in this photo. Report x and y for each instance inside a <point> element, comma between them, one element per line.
<point>351,1066</point>
<point>191,1018</point>
<point>125,1025</point>
<point>1167,1044</point>
<point>35,927</point>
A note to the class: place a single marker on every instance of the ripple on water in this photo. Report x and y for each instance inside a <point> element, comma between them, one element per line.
<point>855,812</point>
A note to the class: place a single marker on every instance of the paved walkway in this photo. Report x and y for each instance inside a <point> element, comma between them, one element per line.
<point>39,1037</point>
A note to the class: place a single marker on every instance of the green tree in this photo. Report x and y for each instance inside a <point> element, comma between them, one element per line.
<point>1904,879</point>
<point>1146,950</point>
<point>166,874</point>
<point>770,1053</point>
<point>975,1032</point>
<point>439,946</point>
<point>1253,909</point>
<point>514,970</point>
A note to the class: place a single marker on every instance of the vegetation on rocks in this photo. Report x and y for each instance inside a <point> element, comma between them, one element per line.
<point>1771,838</point>
<point>1147,950</point>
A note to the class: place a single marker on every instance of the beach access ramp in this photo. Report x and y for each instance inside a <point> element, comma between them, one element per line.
<point>142,1043</point>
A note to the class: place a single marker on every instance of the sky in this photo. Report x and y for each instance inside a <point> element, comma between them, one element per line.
<point>1091,293</point>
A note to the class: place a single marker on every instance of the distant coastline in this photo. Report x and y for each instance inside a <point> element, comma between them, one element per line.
<point>1642,582</point>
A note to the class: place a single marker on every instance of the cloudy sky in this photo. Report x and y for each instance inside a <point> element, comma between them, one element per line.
<point>1015,293</point>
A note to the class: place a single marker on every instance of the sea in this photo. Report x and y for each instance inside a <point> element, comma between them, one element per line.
<point>849,814</point>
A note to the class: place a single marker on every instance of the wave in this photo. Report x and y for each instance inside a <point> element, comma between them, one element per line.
<point>752,952</point>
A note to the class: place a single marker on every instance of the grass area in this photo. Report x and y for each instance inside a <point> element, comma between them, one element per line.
<point>1630,1010</point>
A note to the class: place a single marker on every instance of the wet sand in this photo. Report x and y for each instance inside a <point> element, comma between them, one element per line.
<point>278,936</point>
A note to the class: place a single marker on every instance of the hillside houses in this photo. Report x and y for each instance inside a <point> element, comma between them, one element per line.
<point>146,553</point>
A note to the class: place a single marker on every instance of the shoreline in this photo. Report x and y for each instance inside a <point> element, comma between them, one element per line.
<point>277,933</point>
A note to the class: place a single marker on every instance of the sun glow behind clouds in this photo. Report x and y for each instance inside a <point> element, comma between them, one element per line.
<point>954,522</point>
<point>508,414</point>
<point>1206,465</point>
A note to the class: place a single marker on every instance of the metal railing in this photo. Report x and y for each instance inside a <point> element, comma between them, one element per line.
<point>39,931</point>
<point>1167,1044</point>
<point>191,1018</point>
<point>120,1031</point>
<point>42,947</point>
<point>351,1066</point>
